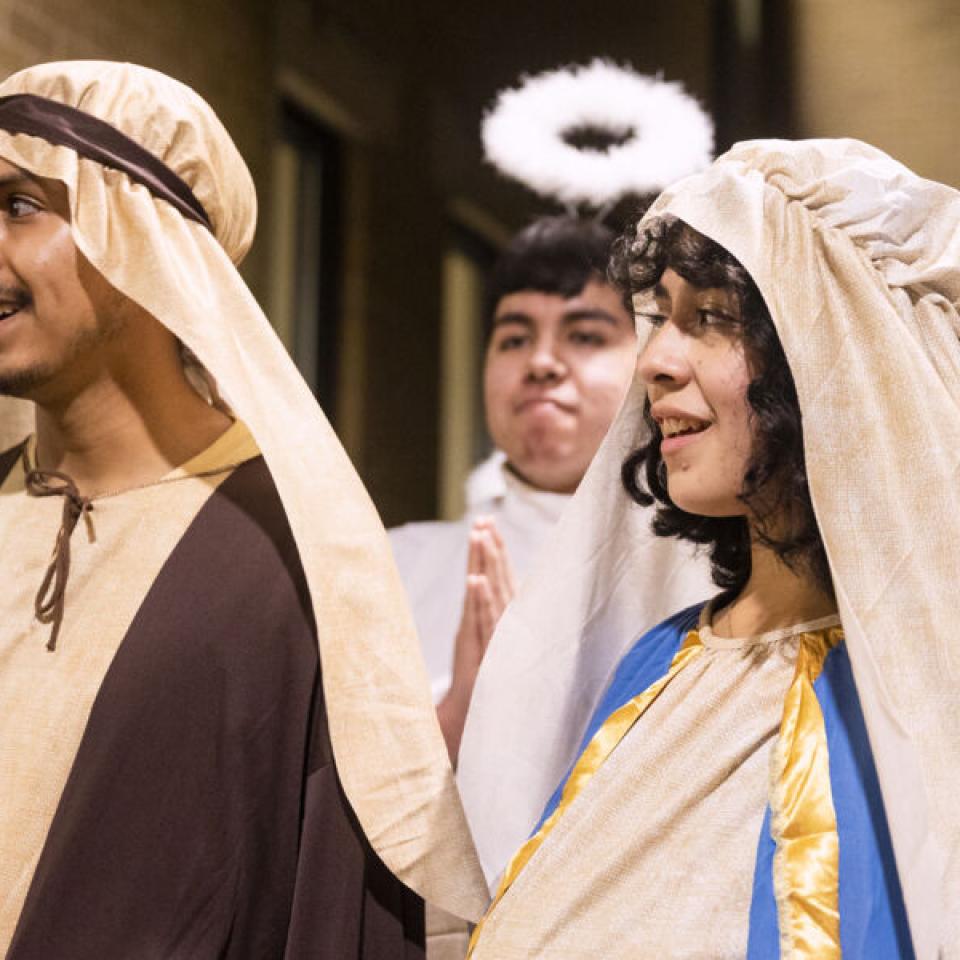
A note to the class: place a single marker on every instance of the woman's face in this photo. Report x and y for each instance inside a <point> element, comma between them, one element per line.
<point>697,376</point>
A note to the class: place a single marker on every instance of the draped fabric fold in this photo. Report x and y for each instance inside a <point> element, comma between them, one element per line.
<point>858,260</point>
<point>616,727</point>
<point>803,825</point>
<point>92,138</point>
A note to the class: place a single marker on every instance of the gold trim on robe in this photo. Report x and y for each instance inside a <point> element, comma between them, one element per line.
<point>806,865</point>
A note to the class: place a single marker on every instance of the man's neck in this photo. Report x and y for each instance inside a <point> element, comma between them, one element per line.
<point>775,597</point>
<point>543,483</point>
<point>108,439</point>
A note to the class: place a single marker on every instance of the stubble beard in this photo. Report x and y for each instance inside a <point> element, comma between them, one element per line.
<point>33,381</point>
<point>23,383</point>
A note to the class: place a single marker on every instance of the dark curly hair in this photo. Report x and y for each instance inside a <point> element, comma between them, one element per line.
<point>560,255</point>
<point>775,484</point>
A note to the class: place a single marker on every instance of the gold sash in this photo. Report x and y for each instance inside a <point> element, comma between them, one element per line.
<point>806,865</point>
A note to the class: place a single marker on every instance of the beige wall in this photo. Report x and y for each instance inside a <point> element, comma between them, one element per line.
<point>392,246</point>
<point>884,71</point>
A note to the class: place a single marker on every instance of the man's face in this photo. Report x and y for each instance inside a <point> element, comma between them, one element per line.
<point>556,372</point>
<point>56,311</point>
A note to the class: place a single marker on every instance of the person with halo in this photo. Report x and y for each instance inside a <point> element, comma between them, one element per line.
<point>772,773</point>
<point>560,349</point>
<point>560,355</point>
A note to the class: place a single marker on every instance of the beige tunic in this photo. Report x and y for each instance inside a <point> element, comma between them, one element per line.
<point>46,695</point>
<point>664,836</point>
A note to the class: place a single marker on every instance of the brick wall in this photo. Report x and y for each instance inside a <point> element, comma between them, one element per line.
<point>221,48</point>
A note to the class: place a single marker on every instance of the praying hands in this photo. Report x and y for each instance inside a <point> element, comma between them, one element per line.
<point>490,587</point>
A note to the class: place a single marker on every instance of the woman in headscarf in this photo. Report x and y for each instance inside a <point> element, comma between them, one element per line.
<point>771,773</point>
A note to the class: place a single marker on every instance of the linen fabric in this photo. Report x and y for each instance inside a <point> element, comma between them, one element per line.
<point>432,560</point>
<point>96,140</point>
<point>390,755</point>
<point>858,260</point>
<point>591,591</point>
<point>169,787</point>
<point>117,554</point>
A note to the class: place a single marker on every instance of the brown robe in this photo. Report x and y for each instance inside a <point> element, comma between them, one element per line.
<point>203,818</point>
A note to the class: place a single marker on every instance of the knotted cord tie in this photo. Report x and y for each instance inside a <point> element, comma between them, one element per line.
<point>48,605</point>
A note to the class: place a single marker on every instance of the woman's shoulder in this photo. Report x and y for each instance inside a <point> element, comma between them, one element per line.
<point>650,656</point>
<point>664,638</point>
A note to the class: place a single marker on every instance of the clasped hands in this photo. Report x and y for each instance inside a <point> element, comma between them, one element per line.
<point>489,588</point>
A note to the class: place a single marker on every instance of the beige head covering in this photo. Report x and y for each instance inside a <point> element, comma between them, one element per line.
<point>389,752</point>
<point>858,260</point>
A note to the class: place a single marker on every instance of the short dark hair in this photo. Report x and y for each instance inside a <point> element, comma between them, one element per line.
<point>638,263</point>
<point>558,255</point>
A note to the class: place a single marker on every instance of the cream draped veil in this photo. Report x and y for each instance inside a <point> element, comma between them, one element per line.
<point>389,753</point>
<point>858,260</point>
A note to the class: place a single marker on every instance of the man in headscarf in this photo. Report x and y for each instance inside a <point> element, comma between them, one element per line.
<point>216,738</point>
<point>774,773</point>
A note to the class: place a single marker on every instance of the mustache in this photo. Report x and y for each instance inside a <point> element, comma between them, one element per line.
<point>16,297</point>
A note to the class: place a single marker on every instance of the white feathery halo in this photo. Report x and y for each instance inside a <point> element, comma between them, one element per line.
<point>669,135</point>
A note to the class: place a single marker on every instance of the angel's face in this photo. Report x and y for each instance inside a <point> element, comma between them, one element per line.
<point>556,372</point>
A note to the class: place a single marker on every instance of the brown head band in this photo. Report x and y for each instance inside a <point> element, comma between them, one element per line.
<point>98,140</point>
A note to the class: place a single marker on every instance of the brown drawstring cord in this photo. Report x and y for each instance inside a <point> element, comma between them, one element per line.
<point>48,604</point>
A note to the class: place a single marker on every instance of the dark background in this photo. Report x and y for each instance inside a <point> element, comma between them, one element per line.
<point>379,103</point>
